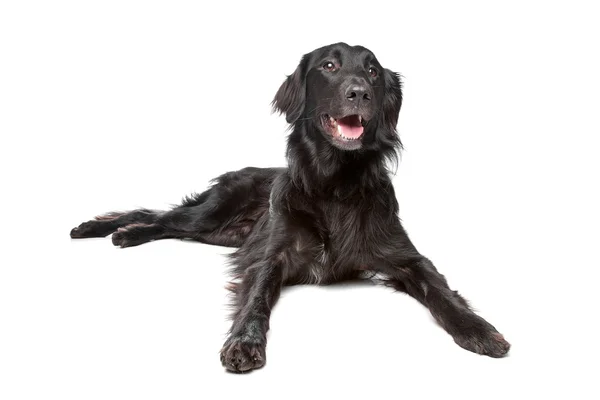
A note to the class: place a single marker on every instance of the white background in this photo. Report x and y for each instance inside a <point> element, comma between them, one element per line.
<point>118,104</point>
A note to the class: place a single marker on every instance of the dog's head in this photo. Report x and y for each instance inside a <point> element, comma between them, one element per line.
<point>343,90</point>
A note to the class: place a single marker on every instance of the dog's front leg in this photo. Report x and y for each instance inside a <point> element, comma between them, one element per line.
<point>244,349</point>
<point>418,277</point>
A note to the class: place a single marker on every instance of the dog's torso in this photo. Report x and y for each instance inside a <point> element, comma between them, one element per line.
<point>333,237</point>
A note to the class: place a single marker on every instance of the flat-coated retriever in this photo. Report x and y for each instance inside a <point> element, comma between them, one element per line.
<point>331,215</point>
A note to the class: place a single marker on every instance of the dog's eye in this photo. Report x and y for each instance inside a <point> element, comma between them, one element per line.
<point>329,66</point>
<point>373,72</point>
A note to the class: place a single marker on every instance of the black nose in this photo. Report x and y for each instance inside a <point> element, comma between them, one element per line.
<point>358,92</point>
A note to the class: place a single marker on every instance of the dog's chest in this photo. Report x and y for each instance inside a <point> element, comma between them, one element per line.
<point>350,235</point>
<point>338,238</point>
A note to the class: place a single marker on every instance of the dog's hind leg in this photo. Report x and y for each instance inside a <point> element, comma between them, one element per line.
<point>136,234</point>
<point>180,222</point>
<point>104,225</point>
<point>223,215</point>
<point>218,219</point>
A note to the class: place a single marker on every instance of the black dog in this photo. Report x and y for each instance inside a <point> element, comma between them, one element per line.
<point>332,215</point>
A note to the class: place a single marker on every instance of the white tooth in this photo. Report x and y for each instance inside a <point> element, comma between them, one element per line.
<point>360,119</point>
<point>339,129</point>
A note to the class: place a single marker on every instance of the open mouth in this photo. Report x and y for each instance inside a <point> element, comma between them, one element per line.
<point>347,129</point>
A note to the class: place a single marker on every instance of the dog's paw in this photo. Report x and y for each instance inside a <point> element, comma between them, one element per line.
<point>480,337</point>
<point>130,235</point>
<point>88,229</point>
<point>119,238</point>
<point>239,355</point>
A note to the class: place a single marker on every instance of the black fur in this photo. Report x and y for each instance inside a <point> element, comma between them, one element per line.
<point>332,215</point>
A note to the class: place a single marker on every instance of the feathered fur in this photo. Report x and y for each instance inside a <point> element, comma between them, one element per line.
<point>330,216</point>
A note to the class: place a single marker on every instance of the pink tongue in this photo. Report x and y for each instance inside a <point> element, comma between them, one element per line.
<point>350,126</point>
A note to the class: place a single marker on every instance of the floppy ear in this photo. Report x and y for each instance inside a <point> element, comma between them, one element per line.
<point>291,96</point>
<point>392,100</point>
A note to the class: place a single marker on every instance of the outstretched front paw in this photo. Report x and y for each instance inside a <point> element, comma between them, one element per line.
<point>477,335</point>
<point>242,355</point>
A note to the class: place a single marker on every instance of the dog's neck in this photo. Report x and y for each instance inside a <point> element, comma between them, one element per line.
<point>319,169</point>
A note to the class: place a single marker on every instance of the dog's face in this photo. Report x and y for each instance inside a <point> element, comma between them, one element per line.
<point>346,93</point>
